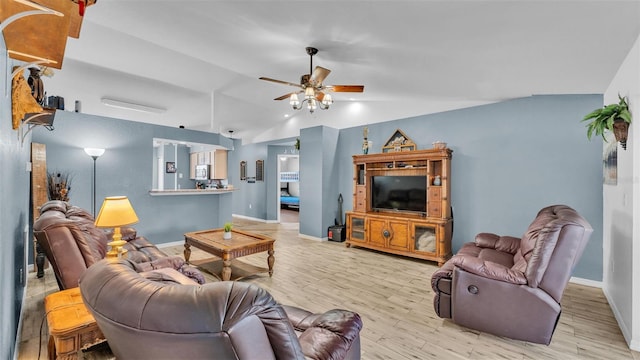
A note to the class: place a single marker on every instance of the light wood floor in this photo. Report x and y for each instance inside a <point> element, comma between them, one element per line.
<point>289,216</point>
<point>394,297</point>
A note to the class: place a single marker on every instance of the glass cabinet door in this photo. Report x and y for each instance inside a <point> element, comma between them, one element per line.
<point>425,238</point>
<point>356,230</point>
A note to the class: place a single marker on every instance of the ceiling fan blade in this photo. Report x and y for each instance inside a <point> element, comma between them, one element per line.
<point>319,74</point>
<point>319,95</point>
<point>286,96</point>
<point>279,81</point>
<point>345,88</point>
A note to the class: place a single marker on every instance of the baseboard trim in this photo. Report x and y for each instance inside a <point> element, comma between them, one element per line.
<point>16,345</point>
<point>169,244</point>
<point>309,237</point>
<point>250,218</point>
<point>626,333</point>
<point>586,282</point>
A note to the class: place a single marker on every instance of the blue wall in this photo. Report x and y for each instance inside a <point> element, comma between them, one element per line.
<point>318,180</point>
<point>249,199</point>
<point>14,216</point>
<point>510,159</point>
<point>126,168</point>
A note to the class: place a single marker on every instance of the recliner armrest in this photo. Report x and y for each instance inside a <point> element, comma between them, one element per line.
<point>326,336</point>
<point>489,269</point>
<point>507,244</point>
<point>300,319</point>
<point>168,275</point>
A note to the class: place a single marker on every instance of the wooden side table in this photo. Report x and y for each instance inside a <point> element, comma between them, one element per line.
<point>71,326</point>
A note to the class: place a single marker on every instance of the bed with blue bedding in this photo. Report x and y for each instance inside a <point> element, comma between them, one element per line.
<point>286,199</point>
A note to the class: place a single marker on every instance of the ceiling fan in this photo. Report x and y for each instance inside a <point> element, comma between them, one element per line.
<point>314,90</point>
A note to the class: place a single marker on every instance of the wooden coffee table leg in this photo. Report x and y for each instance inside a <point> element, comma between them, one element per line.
<point>226,270</point>
<point>187,252</point>
<point>270,261</point>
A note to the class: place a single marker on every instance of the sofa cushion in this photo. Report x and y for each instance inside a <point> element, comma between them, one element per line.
<point>142,250</point>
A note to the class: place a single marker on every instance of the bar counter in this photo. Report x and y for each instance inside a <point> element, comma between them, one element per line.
<point>190,192</point>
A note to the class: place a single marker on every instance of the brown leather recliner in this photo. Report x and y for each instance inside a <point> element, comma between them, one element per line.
<point>71,241</point>
<point>146,319</point>
<point>511,286</point>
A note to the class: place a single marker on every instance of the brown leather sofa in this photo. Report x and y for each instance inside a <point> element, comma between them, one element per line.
<point>72,243</point>
<point>144,318</point>
<point>511,286</point>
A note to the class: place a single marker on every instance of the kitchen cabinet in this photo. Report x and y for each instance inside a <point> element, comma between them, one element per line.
<point>216,159</point>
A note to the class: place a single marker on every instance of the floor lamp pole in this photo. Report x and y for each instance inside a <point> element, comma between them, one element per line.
<point>93,187</point>
<point>95,154</point>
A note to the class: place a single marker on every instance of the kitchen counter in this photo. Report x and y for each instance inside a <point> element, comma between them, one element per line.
<point>190,192</point>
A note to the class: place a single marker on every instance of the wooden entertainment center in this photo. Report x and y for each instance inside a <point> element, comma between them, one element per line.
<point>416,221</point>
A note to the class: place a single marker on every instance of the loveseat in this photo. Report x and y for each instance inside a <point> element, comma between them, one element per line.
<point>510,286</point>
<point>147,316</point>
<point>72,243</point>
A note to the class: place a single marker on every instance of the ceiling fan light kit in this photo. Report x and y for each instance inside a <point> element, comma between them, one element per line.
<point>311,85</point>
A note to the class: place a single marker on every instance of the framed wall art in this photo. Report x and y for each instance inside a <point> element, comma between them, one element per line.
<point>243,170</point>
<point>259,170</point>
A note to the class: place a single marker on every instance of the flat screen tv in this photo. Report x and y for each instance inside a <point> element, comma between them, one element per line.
<point>399,193</point>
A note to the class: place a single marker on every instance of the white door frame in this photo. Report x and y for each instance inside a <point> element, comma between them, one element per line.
<point>278,167</point>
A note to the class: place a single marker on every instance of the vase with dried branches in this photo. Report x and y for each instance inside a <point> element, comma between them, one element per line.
<point>58,185</point>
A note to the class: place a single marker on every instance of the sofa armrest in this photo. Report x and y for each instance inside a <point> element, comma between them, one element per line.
<point>507,244</point>
<point>488,269</point>
<point>326,336</point>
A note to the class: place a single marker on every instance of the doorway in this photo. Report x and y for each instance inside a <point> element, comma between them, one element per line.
<point>289,188</point>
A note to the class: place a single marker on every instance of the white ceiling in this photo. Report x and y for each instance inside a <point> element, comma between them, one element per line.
<point>201,59</point>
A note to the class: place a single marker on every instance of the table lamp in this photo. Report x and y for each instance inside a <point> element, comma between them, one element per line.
<point>116,211</point>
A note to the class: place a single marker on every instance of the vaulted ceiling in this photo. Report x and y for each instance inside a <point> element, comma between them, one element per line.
<point>201,60</point>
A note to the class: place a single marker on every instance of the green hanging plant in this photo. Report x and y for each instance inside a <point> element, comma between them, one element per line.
<point>297,144</point>
<point>613,117</point>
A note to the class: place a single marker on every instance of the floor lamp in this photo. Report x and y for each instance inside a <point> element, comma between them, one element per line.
<point>95,154</point>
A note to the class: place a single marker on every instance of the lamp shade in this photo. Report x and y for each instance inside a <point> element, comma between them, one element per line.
<point>116,211</point>
<point>94,152</point>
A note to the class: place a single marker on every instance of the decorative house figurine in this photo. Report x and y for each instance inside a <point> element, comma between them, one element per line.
<point>398,142</point>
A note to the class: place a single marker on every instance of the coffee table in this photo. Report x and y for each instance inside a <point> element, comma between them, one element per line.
<point>242,243</point>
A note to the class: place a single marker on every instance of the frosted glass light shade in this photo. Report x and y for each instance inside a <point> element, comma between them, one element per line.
<point>94,152</point>
<point>293,100</point>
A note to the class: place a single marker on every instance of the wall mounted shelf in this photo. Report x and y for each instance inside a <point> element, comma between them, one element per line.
<point>31,120</point>
<point>43,37</point>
